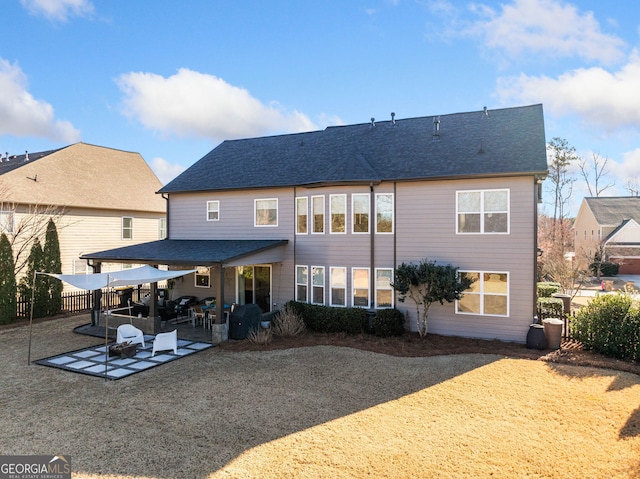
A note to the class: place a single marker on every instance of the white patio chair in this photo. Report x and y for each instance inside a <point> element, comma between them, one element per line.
<point>129,333</point>
<point>166,341</point>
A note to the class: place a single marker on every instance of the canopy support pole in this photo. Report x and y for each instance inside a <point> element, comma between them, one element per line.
<point>33,290</point>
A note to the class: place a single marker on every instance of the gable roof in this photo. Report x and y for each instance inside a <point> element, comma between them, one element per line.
<point>82,175</point>
<point>615,209</point>
<point>500,142</point>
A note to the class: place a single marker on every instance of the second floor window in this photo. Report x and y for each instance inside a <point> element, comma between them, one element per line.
<point>338,205</point>
<point>483,211</point>
<point>302,215</point>
<point>317,214</point>
<point>6,221</point>
<point>162,228</point>
<point>384,213</point>
<point>213,210</point>
<point>266,212</point>
<point>360,212</point>
<point>127,227</point>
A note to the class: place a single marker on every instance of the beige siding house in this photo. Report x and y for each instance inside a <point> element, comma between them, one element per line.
<point>324,217</point>
<point>99,197</point>
<point>609,226</point>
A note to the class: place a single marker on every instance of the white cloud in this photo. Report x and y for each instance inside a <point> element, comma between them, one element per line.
<point>164,170</point>
<point>23,115</point>
<point>610,100</point>
<point>59,10</point>
<point>193,104</point>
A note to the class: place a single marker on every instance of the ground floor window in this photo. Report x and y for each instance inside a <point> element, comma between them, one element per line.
<point>302,282</point>
<point>338,286</point>
<point>317,292</point>
<point>202,278</point>
<point>487,295</point>
<point>384,290</point>
<point>360,287</point>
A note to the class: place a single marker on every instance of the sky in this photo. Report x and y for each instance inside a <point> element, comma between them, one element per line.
<point>171,80</point>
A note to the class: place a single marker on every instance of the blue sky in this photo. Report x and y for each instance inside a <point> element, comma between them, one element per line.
<point>171,80</point>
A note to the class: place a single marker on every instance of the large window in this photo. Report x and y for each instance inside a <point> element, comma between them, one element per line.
<point>127,227</point>
<point>360,212</point>
<point>317,214</point>
<point>485,211</point>
<point>384,213</point>
<point>302,215</point>
<point>360,287</point>
<point>302,283</point>
<point>213,210</point>
<point>6,221</point>
<point>317,290</point>
<point>487,295</point>
<point>202,278</point>
<point>266,212</point>
<point>338,209</point>
<point>338,279</point>
<point>384,290</point>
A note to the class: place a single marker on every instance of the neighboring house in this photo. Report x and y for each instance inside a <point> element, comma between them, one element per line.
<point>325,217</point>
<point>99,197</point>
<point>609,226</point>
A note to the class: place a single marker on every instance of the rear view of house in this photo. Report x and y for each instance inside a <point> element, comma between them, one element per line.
<point>326,216</point>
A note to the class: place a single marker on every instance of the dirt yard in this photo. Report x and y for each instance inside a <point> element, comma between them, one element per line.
<point>333,406</point>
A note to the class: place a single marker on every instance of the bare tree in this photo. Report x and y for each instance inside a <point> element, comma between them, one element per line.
<point>560,155</point>
<point>632,187</point>
<point>593,173</point>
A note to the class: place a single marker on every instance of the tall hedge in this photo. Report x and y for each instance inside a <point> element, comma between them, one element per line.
<point>41,293</point>
<point>8,287</point>
<point>51,263</point>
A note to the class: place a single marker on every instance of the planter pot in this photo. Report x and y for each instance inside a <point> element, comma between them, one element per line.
<point>536,338</point>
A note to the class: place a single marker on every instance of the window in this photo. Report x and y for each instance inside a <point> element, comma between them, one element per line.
<point>127,227</point>
<point>360,212</point>
<point>6,221</point>
<point>338,209</point>
<point>80,266</point>
<point>302,215</point>
<point>483,211</point>
<point>266,212</point>
<point>317,292</point>
<point>213,210</point>
<point>202,277</point>
<point>384,213</point>
<point>384,290</point>
<point>162,228</point>
<point>488,295</point>
<point>317,214</point>
<point>338,279</point>
<point>360,286</point>
<point>302,282</point>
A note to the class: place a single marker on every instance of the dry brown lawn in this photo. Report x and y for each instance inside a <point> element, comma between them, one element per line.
<point>333,408</point>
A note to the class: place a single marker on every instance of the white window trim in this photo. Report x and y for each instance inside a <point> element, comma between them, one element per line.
<point>306,198</point>
<point>212,202</point>
<point>353,287</point>
<point>353,212</point>
<point>162,230</point>
<point>393,214</point>
<point>377,304</point>
<point>202,272</point>
<point>481,293</point>
<point>122,228</point>
<point>482,212</point>
<point>331,215</point>
<point>324,284</point>
<point>331,288</point>
<point>305,300</point>
<point>87,269</point>
<point>255,212</point>
<point>313,219</point>
<point>12,225</point>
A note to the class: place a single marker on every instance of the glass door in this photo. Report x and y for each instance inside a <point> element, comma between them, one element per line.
<point>254,286</point>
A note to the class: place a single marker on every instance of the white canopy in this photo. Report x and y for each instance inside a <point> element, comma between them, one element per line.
<point>126,277</point>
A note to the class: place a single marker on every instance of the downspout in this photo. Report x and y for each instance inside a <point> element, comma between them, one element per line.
<point>372,253</point>
<point>395,236</point>
<point>537,198</point>
<point>295,238</point>
<point>166,199</point>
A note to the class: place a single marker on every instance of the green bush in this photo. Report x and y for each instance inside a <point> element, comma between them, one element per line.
<point>550,308</point>
<point>547,288</point>
<point>606,269</point>
<point>329,319</point>
<point>610,325</point>
<point>388,322</point>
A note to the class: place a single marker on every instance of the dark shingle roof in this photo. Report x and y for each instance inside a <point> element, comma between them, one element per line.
<point>507,141</point>
<point>614,210</point>
<point>12,162</point>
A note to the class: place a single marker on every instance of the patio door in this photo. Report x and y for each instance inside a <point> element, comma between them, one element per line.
<point>254,286</point>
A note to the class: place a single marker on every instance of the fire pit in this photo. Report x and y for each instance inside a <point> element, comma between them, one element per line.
<point>124,350</point>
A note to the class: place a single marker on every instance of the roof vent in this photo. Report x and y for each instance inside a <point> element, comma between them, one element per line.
<point>373,122</point>
<point>486,112</point>
<point>26,156</point>
<point>393,118</point>
<point>436,127</point>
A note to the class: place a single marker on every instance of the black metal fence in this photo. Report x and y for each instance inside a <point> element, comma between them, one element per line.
<point>82,301</point>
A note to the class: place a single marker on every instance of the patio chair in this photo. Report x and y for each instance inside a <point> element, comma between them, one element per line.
<point>129,333</point>
<point>198,315</point>
<point>166,341</point>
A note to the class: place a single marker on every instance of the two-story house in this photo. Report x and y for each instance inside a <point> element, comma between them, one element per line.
<point>99,198</point>
<point>325,217</point>
<point>610,227</point>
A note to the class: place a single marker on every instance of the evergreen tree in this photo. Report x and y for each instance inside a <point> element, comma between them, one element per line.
<point>41,295</point>
<point>7,282</point>
<point>51,264</point>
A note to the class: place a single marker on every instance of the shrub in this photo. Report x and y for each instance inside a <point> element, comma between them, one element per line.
<point>388,322</point>
<point>329,319</point>
<point>260,336</point>
<point>550,308</point>
<point>606,268</point>
<point>610,325</point>
<point>547,288</point>
<point>287,322</point>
